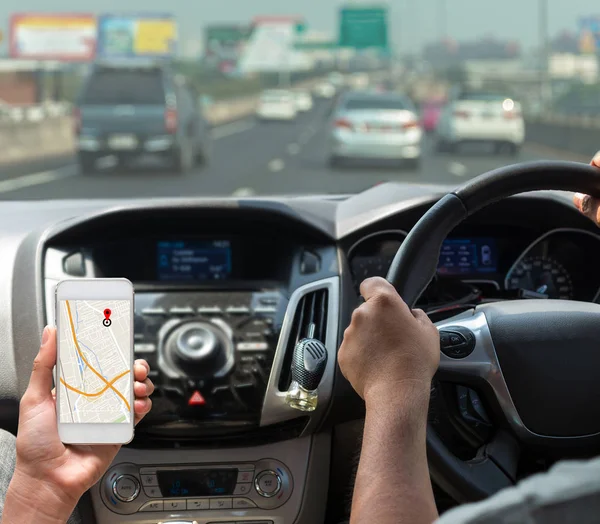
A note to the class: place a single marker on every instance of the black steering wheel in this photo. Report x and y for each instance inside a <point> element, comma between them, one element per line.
<point>536,362</point>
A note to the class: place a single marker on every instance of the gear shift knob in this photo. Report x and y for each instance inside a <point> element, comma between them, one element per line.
<point>308,367</point>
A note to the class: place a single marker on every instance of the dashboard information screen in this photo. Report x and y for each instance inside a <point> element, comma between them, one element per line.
<point>197,483</point>
<point>194,260</point>
<point>468,255</point>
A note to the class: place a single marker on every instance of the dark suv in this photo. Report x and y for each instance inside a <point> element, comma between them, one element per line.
<point>133,111</point>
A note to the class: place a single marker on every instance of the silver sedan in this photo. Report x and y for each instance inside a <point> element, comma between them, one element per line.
<point>369,125</point>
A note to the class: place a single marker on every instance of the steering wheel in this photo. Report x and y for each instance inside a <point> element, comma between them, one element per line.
<point>537,362</point>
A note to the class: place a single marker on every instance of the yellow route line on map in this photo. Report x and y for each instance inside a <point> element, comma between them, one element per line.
<point>68,386</point>
<point>108,384</point>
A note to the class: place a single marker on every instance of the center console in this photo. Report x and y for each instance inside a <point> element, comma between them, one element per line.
<point>221,444</point>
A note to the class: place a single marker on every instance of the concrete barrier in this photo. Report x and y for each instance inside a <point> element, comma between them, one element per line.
<point>577,134</point>
<point>31,140</point>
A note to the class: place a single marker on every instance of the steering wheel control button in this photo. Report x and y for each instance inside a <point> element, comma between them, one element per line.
<point>267,484</point>
<point>221,503</point>
<point>457,342</point>
<point>155,505</point>
<point>240,503</point>
<point>126,488</point>
<point>198,504</point>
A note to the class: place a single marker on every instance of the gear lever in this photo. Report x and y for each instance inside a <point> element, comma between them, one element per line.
<point>308,368</point>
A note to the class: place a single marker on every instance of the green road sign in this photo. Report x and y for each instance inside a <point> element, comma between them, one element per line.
<point>364,27</point>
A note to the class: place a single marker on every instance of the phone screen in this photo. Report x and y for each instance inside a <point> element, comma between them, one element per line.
<point>94,365</point>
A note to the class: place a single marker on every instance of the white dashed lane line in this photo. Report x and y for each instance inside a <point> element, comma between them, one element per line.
<point>231,129</point>
<point>36,179</point>
<point>276,165</point>
<point>457,169</point>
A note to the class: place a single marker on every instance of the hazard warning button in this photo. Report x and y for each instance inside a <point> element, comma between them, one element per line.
<point>196,399</point>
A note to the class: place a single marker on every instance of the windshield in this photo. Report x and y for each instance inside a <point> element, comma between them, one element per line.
<point>235,98</point>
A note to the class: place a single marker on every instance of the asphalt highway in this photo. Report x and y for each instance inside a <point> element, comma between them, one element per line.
<point>251,157</point>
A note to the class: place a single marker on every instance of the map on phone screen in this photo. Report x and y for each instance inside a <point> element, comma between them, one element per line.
<point>95,361</point>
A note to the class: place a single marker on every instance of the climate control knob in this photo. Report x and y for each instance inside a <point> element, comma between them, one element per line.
<point>267,484</point>
<point>126,488</point>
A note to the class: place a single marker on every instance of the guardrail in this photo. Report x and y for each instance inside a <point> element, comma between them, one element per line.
<point>577,134</point>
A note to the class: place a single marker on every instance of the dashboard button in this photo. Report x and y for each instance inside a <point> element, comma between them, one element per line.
<point>181,311</point>
<point>155,505</point>
<point>267,484</point>
<point>242,489</point>
<point>252,346</point>
<point>149,479</point>
<point>198,504</point>
<point>152,491</point>
<point>245,476</point>
<point>126,488</point>
<point>221,503</point>
<point>209,310</point>
<point>237,310</point>
<point>240,503</point>
<point>141,347</point>
<point>265,310</point>
<point>174,505</point>
<point>154,311</point>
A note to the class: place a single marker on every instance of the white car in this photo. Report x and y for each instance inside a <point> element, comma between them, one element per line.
<point>304,101</point>
<point>277,104</point>
<point>481,118</point>
<point>324,90</point>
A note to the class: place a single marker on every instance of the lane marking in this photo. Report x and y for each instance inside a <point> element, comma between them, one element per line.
<point>36,179</point>
<point>457,169</point>
<point>293,149</point>
<point>243,192</point>
<point>276,165</point>
<point>231,129</point>
<point>82,356</point>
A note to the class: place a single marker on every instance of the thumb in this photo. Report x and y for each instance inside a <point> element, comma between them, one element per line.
<point>41,381</point>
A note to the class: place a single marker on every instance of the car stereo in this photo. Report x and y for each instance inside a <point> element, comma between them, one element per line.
<point>210,353</point>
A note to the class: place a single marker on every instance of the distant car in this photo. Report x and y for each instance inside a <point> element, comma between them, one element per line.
<point>375,126</point>
<point>481,117</point>
<point>432,110</point>
<point>358,81</point>
<point>132,111</point>
<point>324,90</point>
<point>277,104</point>
<point>304,101</point>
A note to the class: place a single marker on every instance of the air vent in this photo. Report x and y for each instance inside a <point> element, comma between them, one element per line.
<point>310,321</point>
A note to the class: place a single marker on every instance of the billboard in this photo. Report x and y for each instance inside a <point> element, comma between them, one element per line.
<point>589,34</point>
<point>225,45</point>
<point>41,36</point>
<point>364,27</point>
<point>137,35</point>
<point>270,47</point>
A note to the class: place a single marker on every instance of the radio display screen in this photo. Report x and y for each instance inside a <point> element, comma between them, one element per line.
<point>197,482</point>
<point>468,255</point>
<point>199,260</point>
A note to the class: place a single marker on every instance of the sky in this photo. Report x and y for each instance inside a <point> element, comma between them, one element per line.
<point>413,22</point>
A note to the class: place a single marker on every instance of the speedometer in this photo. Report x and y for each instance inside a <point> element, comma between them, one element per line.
<point>542,275</point>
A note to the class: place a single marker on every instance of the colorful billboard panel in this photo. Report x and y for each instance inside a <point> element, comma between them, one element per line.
<point>41,36</point>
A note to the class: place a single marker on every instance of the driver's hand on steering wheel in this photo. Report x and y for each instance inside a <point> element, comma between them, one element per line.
<point>389,352</point>
<point>588,205</point>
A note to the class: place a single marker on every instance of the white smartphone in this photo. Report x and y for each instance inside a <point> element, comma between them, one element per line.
<point>94,365</point>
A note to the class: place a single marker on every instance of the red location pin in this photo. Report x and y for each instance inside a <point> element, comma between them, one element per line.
<point>107,313</point>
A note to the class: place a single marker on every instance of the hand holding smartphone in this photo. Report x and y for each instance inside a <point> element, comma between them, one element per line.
<point>94,390</point>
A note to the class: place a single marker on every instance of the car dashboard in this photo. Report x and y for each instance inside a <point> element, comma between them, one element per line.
<point>221,443</point>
